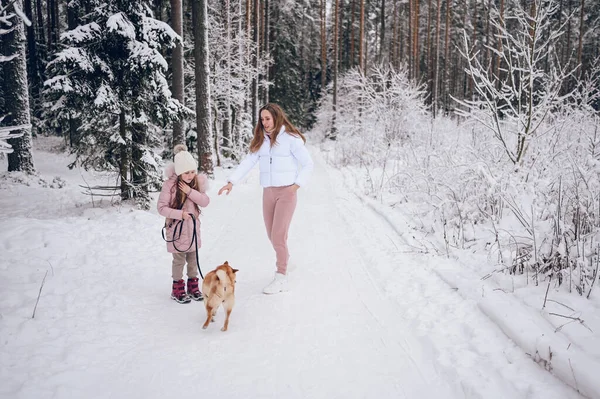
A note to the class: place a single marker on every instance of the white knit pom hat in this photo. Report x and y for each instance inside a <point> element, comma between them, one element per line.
<point>184,161</point>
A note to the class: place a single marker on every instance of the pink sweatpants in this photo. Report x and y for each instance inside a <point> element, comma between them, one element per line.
<point>279,204</point>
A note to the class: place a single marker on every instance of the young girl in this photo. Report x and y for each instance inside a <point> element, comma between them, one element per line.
<point>182,195</point>
<point>278,148</point>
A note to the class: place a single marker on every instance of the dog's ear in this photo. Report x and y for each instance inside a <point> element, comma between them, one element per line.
<point>235,270</point>
<point>226,263</point>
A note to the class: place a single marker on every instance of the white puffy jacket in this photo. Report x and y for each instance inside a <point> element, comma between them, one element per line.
<point>278,164</point>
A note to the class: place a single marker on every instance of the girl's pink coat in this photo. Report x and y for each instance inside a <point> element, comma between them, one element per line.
<point>173,215</point>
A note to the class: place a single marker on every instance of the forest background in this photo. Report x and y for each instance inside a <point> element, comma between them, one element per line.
<point>479,117</point>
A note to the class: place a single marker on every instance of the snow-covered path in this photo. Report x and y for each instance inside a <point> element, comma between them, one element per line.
<point>363,319</point>
<point>334,334</point>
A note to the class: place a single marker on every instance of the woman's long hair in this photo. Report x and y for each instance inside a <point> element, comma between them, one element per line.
<point>279,119</point>
<point>179,198</point>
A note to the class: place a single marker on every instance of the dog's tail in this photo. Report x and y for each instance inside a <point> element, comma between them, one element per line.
<point>222,276</point>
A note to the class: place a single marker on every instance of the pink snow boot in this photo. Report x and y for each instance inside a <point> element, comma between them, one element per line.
<point>178,294</point>
<point>193,290</point>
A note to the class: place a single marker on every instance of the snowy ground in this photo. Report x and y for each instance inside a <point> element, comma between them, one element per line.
<point>367,316</point>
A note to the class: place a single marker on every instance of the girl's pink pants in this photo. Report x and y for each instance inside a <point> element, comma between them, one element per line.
<point>279,204</point>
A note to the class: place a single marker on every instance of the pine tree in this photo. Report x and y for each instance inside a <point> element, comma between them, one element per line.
<point>110,77</point>
<point>202,72</point>
<point>14,106</point>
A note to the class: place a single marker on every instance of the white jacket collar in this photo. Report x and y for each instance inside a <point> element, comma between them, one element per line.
<point>281,131</point>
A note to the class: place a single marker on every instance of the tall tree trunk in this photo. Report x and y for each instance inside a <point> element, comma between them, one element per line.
<point>53,25</point>
<point>488,40</point>
<point>409,38</point>
<point>249,60</point>
<point>267,44</point>
<point>474,22</point>
<point>32,59</point>
<point>568,35</point>
<point>124,159</point>
<point>139,172</point>
<point>342,45</point>
<point>242,59</point>
<point>73,20</point>
<point>227,137</point>
<point>447,64</point>
<point>416,54</point>
<point>393,39</point>
<point>382,33</point>
<point>335,67</point>
<point>499,45</point>
<point>41,37</point>
<point>436,73</point>
<point>428,52</point>
<point>49,24</point>
<point>56,25</point>
<point>401,45</point>
<point>361,37</point>
<point>352,29</point>
<point>201,73</point>
<point>580,46</point>
<point>177,65</point>
<point>16,96</point>
<point>255,55</point>
<point>323,45</point>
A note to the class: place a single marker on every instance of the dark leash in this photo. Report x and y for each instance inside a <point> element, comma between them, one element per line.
<point>177,235</point>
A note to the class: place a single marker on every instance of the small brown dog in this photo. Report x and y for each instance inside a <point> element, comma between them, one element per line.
<point>219,288</point>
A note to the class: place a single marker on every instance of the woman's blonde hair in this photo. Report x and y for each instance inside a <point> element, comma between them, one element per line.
<point>279,119</point>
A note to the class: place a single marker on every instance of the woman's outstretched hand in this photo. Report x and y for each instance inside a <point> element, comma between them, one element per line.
<point>226,188</point>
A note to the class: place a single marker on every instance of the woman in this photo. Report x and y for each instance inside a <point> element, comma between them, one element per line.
<point>278,148</point>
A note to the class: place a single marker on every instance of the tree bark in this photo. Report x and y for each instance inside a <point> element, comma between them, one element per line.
<point>32,59</point>
<point>409,39</point>
<point>323,46</point>
<point>267,44</point>
<point>382,32</point>
<point>40,23</point>
<point>16,96</point>
<point>335,67</point>
<point>227,139</point>
<point>428,52</point>
<point>447,63</point>
<point>393,39</point>
<point>124,159</point>
<point>499,45</point>
<point>255,55</point>
<point>436,72</point>
<point>352,39</point>
<point>416,55</point>
<point>361,37</point>
<point>177,66</point>
<point>580,46</point>
<point>139,173</point>
<point>201,72</point>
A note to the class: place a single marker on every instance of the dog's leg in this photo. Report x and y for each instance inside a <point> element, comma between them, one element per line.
<point>228,306</point>
<point>209,313</point>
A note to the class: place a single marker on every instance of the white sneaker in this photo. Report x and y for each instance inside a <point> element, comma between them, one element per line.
<point>278,284</point>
